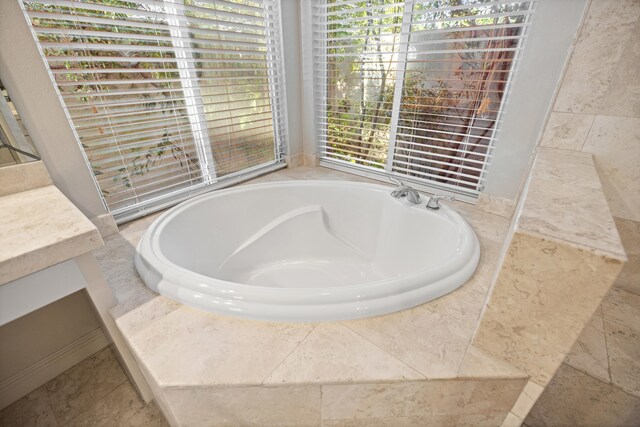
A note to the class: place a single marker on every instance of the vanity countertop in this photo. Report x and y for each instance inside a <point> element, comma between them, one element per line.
<point>39,228</point>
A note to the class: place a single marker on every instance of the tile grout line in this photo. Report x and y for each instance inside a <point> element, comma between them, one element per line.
<point>612,384</point>
<point>125,379</point>
<point>606,341</point>
<point>95,403</point>
<point>424,377</point>
<point>92,404</point>
<point>584,141</point>
<point>288,354</point>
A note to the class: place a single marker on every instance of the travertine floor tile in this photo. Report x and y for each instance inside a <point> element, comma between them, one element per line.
<point>89,401</point>
<point>150,416</point>
<point>31,410</point>
<point>76,390</point>
<point>623,344</point>
<point>574,398</point>
<point>589,353</point>
<point>427,420</point>
<point>622,307</point>
<point>116,409</point>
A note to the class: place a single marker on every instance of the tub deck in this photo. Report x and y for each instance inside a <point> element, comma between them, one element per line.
<point>416,365</point>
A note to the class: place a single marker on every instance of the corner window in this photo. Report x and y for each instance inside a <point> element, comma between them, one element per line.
<point>166,96</point>
<point>415,88</point>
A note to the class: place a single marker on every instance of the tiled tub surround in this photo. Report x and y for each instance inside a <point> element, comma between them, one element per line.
<point>415,366</point>
<point>253,252</point>
<point>563,257</point>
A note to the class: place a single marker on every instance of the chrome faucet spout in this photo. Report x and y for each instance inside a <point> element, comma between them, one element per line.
<point>403,190</point>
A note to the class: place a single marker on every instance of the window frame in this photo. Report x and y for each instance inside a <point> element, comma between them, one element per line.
<point>210,181</point>
<point>319,108</point>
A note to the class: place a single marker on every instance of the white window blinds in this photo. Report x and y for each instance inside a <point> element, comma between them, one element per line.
<point>167,96</point>
<point>415,88</point>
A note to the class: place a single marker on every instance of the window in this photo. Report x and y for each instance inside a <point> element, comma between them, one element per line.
<point>415,88</point>
<point>167,97</point>
<point>15,143</point>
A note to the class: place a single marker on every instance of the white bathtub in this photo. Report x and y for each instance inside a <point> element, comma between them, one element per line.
<point>306,251</point>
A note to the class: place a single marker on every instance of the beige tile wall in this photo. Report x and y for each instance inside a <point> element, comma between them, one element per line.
<point>597,111</point>
<point>598,105</point>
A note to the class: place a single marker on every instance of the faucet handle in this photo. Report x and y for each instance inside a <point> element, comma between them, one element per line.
<point>434,201</point>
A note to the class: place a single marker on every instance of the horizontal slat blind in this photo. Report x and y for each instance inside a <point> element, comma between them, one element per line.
<point>166,95</point>
<point>416,88</point>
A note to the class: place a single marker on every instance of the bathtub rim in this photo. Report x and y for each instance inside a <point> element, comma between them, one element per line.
<point>163,274</point>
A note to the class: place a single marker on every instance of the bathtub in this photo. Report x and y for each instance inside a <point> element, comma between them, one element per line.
<point>306,251</point>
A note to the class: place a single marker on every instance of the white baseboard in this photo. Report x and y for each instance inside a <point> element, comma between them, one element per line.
<point>29,379</point>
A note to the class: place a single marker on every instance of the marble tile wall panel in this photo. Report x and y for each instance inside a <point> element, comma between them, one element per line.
<point>567,131</point>
<point>544,294</point>
<point>574,398</point>
<point>597,109</point>
<point>602,76</point>
<point>615,145</point>
<point>246,406</point>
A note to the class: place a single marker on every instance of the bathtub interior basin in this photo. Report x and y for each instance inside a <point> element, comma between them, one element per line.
<point>306,251</point>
